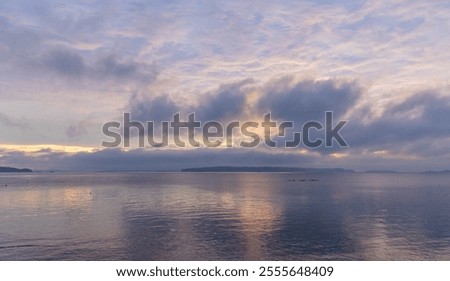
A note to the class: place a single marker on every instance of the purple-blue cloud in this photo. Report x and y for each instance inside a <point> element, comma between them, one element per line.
<point>383,66</point>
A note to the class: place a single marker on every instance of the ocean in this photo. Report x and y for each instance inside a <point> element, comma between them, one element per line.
<point>225,216</point>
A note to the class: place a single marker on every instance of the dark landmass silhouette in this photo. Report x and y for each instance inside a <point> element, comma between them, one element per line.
<point>438,172</point>
<point>381,171</point>
<point>14,170</point>
<point>267,169</point>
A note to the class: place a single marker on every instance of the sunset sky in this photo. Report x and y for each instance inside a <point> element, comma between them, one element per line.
<point>69,67</point>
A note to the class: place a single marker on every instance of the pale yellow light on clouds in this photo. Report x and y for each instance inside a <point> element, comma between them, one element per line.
<point>53,147</point>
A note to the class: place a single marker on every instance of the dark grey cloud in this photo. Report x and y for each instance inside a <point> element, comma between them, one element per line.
<point>306,100</point>
<point>228,102</point>
<point>139,159</point>
<point>160,108</point>
<point>72,64</point>
<point>65,62</point>
<point>420,120</point>
<point>40,160</point>
<point>286,99</point>
<point>110,66</point>
<point>36,51</point>
<point>416,126</point>
<point>173,160</point>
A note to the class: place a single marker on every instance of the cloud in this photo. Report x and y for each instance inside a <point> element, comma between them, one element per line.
<point>286,98</point>
<point>140,159</point>
<point>227,102</point>
<point>109,66</point>
<point>157,109</point>
<point>10,122</point>
<point>291,100</point>
<point>415,127</point>
<point>78,129</point>
<point>65,62</point>
<point>71,63</point>
<point>420,118</point>
<point>229,60</point>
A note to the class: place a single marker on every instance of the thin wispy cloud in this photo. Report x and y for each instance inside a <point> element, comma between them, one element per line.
<point>14,123</point>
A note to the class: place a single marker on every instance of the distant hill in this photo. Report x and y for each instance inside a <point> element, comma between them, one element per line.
<point>267,169</point>
<point>438,172</point>
<point>381,171</point>
<point>14,170</point>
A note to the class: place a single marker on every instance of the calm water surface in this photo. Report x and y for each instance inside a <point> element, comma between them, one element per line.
<point>224,216</point>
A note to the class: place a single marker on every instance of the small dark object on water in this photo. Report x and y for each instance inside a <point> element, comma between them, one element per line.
<point>305,180</point>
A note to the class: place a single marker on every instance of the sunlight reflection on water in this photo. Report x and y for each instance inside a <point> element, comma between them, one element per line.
<point>220,216</point>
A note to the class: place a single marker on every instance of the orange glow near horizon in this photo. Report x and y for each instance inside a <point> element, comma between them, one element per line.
<point>36,148</point>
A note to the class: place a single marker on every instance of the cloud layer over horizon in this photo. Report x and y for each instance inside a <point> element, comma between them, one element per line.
<point>68,68</point>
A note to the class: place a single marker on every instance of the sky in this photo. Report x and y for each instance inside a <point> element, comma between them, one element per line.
<point>67,68</point>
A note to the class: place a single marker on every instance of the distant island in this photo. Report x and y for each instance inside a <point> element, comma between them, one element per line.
<point>381,171</point>
<point>267,169</point>
<point>14,170</point>
<point>438,172</point>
